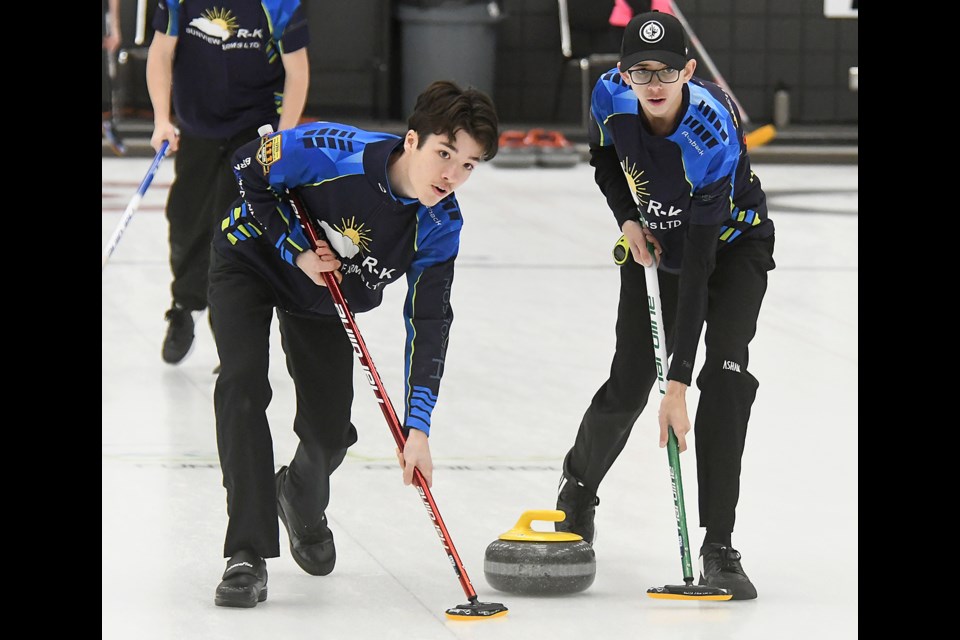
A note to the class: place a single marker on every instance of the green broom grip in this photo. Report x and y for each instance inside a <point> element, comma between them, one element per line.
<point>673,453</point>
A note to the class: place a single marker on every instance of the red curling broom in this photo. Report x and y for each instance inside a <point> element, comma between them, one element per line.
<point>473,609</point>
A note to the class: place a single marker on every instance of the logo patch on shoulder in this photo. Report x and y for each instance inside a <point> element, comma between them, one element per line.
<point>269,151</point>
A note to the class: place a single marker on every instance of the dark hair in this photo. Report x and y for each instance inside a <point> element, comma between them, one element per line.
<point>444,109</point>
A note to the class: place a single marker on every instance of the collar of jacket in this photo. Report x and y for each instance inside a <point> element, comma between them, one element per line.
<point>375,159</point>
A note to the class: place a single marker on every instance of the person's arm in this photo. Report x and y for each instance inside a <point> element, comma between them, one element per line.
<point>266,169</point>
<point>112,40</point>
<point>428,316</point>
<point>293,36</point>
<point>416,455</point>
<point>699,260</point>
<point>608,175</point>
<point>296,68</point>
<point>159,86</point>
<point>710,206</point>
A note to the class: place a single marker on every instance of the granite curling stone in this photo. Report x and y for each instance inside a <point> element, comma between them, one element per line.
<point>529,562</point>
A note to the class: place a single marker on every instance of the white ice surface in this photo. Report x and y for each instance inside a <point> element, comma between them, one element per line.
<point>535,298</point>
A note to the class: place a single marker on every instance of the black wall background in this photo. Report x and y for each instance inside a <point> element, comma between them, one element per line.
<point>758,45</point>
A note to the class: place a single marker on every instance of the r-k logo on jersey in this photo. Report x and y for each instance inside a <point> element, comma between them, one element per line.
<point>216,26</point>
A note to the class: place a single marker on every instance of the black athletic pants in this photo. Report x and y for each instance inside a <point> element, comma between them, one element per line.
<point>202,190</point>
<point>727,389</point>
<point>320,361</point>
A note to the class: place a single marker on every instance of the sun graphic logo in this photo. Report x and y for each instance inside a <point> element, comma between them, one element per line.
<point>348,239</point>
<point>651,31</point>
<point>219,23</point>
<point>636,182</point>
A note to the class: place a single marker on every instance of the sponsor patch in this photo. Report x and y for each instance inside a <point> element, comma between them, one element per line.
<point>269,152</point>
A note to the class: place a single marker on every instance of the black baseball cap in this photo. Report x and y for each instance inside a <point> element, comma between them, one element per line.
<point>654,36</point>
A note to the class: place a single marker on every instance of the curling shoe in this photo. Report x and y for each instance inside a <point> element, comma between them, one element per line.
<point>579,504</point>
<point>311,546</point>
<point>720,567</point>
<point>179,338</point>
<point>244,581</point>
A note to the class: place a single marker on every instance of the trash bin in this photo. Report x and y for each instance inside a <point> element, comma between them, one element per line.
<point>447,40</point>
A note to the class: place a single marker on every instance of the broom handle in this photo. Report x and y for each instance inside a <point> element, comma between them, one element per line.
<point>673,450</point>
<point>379,390</point>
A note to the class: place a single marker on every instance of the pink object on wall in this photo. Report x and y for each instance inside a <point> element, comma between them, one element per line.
<point>621,14</point>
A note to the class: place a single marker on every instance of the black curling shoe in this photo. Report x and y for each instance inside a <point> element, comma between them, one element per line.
<point>720,567</point>
<point>579,504</point>
<point>244,581</point>
<point>179,338</point>
<point>311,546</point>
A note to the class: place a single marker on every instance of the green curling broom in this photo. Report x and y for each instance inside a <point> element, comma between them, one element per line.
<point>687,590</point>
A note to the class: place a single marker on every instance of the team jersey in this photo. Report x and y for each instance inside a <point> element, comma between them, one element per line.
<point>693,188</point>
<point>698,174</point>
<point>227,71</point>
<point>340,175</point>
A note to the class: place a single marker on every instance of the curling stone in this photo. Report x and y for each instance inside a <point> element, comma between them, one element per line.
<point>531,562</point>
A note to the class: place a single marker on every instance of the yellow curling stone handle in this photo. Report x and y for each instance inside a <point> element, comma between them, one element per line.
<point>522,531</point>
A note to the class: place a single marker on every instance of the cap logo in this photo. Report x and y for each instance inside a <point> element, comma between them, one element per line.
<point>651,31</point>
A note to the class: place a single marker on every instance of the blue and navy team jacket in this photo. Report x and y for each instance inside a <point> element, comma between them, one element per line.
<point>689,187</point>
<point>698,174</point>
<point>227,71</point>
<point>340,174</point>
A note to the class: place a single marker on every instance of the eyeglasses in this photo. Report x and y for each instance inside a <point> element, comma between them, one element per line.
<point>667,75</point>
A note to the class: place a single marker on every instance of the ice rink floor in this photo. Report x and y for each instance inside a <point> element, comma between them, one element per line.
<point>535,299</point>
